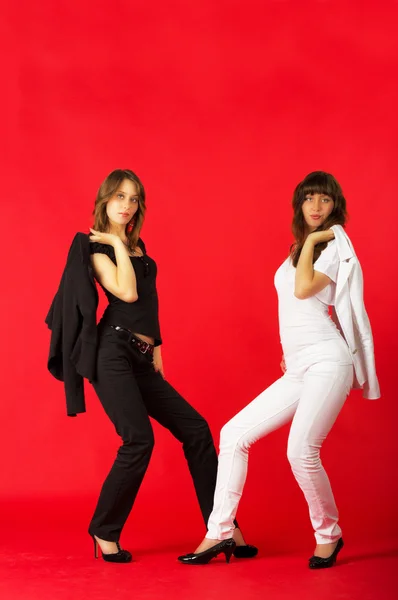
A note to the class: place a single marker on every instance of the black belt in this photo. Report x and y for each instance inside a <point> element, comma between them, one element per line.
<point>126,334</point>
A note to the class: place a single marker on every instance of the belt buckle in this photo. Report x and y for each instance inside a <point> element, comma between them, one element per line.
<point>146,349</point>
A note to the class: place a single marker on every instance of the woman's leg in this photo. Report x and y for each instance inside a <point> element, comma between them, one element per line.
<point>120,396</point>
<point>325,389</point>
<point>270,410</point>
<point>169,408</point>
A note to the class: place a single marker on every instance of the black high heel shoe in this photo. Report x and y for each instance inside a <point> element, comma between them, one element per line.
<point>247,551</point>
<point>317,562</point>
<point>202,558</point>
<point>121,556</point>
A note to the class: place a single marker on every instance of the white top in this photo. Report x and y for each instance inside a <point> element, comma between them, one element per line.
<point>306,322</point>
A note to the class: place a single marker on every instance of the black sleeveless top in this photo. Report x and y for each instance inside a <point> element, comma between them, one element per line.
<point>141,316</point>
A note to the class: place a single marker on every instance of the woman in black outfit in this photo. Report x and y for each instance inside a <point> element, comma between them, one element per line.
<point>129,372</point>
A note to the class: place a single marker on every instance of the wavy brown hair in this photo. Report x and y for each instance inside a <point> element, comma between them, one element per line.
<point>317,182</point>
<point>107,189</point>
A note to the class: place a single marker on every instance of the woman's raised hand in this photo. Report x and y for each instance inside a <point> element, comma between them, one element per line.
<point>318,237</point>
<point>104,238</point>
<point>283,365</point>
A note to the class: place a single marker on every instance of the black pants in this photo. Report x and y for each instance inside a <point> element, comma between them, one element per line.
<point>131,391</point>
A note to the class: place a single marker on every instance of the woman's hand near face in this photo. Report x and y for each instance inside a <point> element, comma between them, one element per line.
<point>318,237</point>
<point>157,360</point>
<point>104,238</point>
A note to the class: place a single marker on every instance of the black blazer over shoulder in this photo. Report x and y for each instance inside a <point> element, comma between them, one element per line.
<point>72,319</point>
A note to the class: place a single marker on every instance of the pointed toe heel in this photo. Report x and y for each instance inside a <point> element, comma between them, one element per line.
<point>317,562</point>
<point>225,547</point>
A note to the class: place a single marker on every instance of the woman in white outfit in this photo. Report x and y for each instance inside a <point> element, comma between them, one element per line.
<point>318,365</point>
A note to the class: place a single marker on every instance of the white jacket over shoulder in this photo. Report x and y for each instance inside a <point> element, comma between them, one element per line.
<point>351,316</point>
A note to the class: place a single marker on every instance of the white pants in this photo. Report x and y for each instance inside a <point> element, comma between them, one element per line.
<point>313,396</point>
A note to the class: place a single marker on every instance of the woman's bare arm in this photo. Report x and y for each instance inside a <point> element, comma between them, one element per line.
<point>309,282</point>
<point>119,279</point>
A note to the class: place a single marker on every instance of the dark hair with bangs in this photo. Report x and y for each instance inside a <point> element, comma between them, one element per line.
<point>317,182</point>
<point>107,189</point>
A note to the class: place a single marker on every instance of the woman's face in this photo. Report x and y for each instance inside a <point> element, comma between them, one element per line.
<point>124,203</point>
<point>316,209</point>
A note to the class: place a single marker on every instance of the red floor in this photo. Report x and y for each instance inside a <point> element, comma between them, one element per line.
<point>45,559</point>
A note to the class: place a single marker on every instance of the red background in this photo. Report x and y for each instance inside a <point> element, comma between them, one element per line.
<point>221,108</point>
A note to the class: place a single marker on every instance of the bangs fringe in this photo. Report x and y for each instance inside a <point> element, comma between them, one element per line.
<point>320,182</point>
